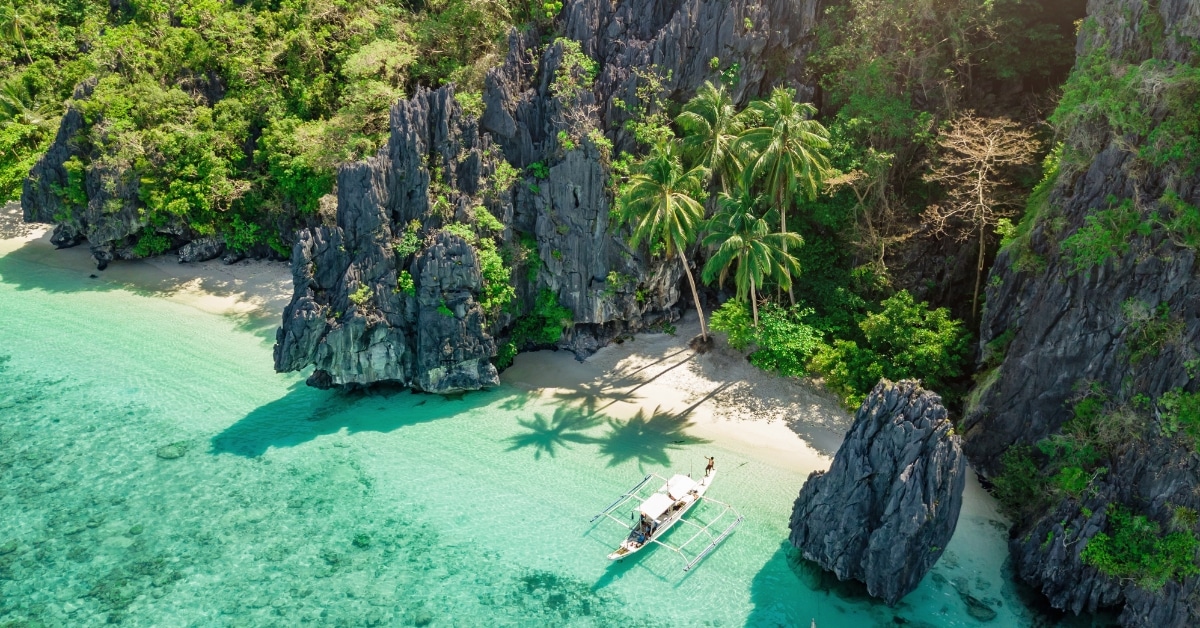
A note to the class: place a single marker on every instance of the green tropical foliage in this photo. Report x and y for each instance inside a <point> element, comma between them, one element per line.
<point>744,244</point>
<point>231,116</point>
<point>906,340</point>
<point>783,147</point>
<point>1135,548</point>
<point>710,127</point>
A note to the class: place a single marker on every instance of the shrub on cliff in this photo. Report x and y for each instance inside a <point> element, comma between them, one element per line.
<point>905,340</point>
<point>1134,548</point>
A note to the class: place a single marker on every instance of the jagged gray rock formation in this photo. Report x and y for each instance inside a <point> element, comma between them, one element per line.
<point>1051,332</point>
<point>763,41</point>
<point>201,250</point>
<point>888,505</point>
<point>439,164</point>
<point>111,220</point>
<point>409,339</point>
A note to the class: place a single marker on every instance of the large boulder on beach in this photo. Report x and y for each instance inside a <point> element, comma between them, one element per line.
<point>201,250</point>
<point>888,505</point>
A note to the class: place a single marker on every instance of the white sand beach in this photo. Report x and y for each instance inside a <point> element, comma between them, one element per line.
<point>719,394</point>
<point>249,288</point>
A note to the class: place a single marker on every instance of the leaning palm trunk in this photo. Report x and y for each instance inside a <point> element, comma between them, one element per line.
<point>695,294</point>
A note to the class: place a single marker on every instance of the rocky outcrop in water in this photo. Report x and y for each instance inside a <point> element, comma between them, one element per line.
<point>888,505</point>
<point>1119,330</point>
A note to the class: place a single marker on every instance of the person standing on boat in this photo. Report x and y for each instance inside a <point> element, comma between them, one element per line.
<point>712,464</point>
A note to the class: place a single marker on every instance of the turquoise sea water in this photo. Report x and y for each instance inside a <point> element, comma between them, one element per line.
<point>155,471</point>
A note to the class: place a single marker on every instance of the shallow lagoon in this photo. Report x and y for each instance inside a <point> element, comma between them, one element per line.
<point>154,470</point>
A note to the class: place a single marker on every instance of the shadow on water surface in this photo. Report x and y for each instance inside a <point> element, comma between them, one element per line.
<point>304,414</point>
<point>562,429</point>
<point>824,598</point>
<point>834,603</point>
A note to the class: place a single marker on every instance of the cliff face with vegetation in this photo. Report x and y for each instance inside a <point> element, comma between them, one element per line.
<point>515,203</point>
<point>1086,413</point>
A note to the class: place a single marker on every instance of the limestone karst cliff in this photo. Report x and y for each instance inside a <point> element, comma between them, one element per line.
<point>1089,337</point>
<point>441,164</point>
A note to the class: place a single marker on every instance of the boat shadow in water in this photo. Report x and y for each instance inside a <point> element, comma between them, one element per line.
<point>618,569</point>
<point>304,414</point>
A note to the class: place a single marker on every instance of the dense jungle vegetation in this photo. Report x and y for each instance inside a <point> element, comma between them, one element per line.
<point>930,135</point>
<point>234,116</point>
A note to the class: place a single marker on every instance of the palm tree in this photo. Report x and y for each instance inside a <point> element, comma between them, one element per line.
<point>744,239</point>
<point>660,201</point>
<point>13,23</point>
<point>711,126</point>
<point>784,151</point>
<point>19,106</point>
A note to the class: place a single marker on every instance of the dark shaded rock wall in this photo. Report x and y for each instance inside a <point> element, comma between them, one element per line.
<point>766,40</point>
<point>888,505</point>
<point>409,339</point>
<point>112,220</point>
<point>1054,332</point>
<point>434,339</point>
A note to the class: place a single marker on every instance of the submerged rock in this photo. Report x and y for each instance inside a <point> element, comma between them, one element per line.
<point>173,451</point>
<point>888,506</point>
<point>977,608</point>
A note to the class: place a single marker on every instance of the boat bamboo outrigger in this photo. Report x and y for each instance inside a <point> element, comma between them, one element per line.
<point>660,511</point>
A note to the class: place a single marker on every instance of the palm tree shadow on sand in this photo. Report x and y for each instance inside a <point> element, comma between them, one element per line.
<point>592,397</point>
<point>566,427</point>
<point>648,439</point>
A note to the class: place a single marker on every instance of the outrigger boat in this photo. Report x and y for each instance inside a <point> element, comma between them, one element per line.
<point>660,511</point>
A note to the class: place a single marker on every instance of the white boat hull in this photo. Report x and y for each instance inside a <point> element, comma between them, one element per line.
<point>637,541</point>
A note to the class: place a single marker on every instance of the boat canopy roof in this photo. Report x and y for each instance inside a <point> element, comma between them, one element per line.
<point>680,485</point>
<point>656,505</point>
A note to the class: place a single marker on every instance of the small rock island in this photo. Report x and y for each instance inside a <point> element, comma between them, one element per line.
<point>886,509</point>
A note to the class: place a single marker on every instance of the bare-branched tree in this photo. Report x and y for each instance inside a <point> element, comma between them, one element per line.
<point>876,227</point>
<point>976,162</point>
